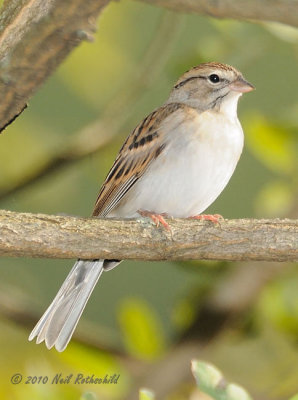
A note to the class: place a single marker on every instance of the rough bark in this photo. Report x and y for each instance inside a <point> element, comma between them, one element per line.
<point>39,235</point>
<point>35,37</point>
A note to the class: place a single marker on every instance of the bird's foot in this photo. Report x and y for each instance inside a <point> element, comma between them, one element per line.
<point>208,217</point>
<point>156,218</point>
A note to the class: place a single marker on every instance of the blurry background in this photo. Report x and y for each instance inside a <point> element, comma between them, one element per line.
<point>146,321</point>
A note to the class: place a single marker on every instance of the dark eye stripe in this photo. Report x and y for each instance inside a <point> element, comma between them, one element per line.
<point>197,77</point>
<point>184,82</point>
<point>187,80</point>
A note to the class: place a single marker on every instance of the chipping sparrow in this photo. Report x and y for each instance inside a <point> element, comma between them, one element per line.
<point>176,161</point>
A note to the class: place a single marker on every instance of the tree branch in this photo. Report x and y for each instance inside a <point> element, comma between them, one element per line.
<point>88,140</point>
<point>284,11</point>
<point>35,36</point>
<point>39,235</point>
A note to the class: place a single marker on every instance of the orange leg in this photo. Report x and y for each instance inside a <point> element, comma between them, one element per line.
<point>156,218</point>
<point>208,217</point>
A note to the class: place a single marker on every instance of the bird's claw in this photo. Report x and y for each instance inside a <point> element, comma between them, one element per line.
<point>208,217</point>
<point>156,218</point>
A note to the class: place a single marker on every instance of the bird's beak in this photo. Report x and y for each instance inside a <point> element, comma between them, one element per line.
<point>241,85</point>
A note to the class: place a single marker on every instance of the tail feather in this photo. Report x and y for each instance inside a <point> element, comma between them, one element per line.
<point>58,323</point>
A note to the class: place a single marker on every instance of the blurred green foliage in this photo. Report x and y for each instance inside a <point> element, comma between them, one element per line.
<point>142,331</point>
<point>140,310</point>
<point>146,394</point>
<point>212,382</point>
<point>279,305</point>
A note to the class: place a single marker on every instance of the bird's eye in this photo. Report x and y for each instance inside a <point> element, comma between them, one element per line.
<point>213,78</point>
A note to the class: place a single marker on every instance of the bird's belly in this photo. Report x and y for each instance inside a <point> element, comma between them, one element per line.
<point>185,179</point>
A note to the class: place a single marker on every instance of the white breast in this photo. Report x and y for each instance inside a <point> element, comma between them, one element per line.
<point>197,163</point>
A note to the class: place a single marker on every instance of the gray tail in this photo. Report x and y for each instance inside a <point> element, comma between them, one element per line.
<point>58,323</point>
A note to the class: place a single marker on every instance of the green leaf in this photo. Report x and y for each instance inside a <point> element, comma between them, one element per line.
<point>79,359</point>
<point>275,199</point>
<point>142,330</point>
<point>282,31</point>
<point>183,314</point>
<point>146,394</point>
<point>279,305</point>
<point>294,397</point>
<point>211,381</point>
<point>236,392</point>
<point>271,144</point>
<point>89,396</point>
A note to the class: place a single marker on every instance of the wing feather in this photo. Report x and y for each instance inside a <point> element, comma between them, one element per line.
<point>142,146</point>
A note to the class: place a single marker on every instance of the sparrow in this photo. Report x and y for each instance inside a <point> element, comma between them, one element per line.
<point>175,162</point>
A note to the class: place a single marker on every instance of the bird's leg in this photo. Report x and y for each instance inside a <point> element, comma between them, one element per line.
<point>208,217</point>
<point>156,218</point>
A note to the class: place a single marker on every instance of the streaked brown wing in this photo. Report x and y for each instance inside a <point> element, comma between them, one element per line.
<point>141,147</point>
